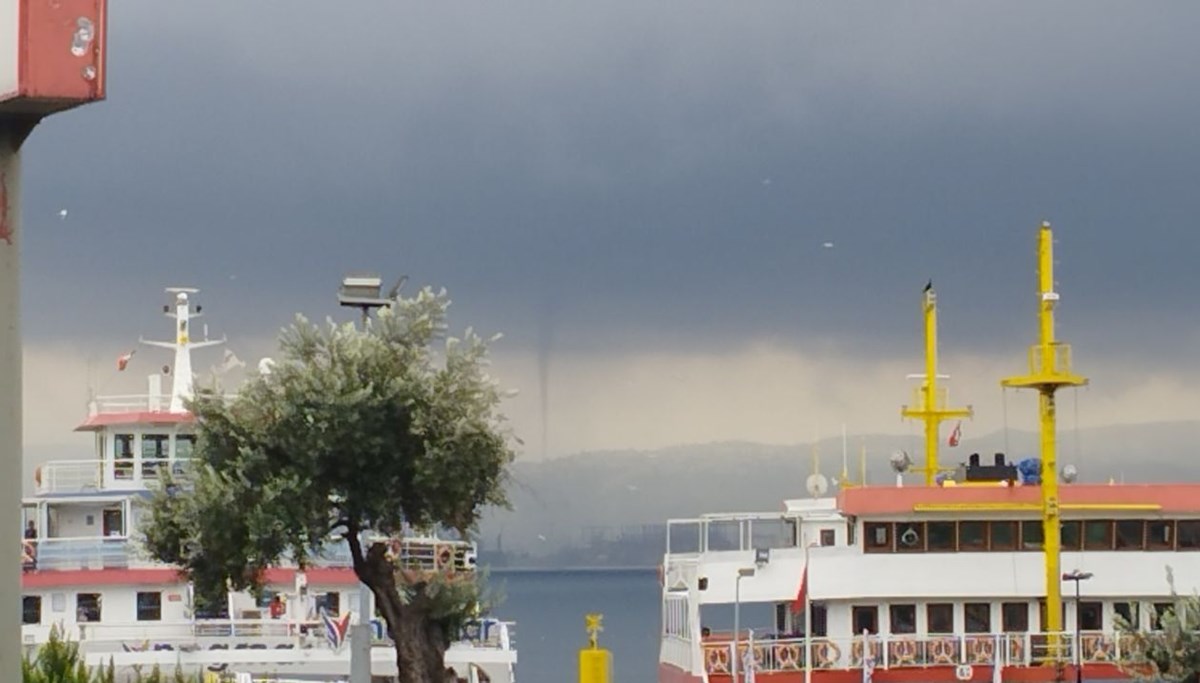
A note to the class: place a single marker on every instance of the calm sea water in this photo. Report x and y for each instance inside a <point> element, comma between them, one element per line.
<point>549,607</point>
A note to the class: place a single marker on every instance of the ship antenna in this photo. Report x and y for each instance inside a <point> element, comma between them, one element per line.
<point>1049,370</point>
<point>182,383</point>
<point>931,403</point>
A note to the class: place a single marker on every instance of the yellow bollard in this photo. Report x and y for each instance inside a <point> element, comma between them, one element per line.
<point>595,663</point>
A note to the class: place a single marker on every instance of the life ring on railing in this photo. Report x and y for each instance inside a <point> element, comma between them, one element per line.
<point>716,660</point>
<point>37,476</point>
<point>826,654</point>
<point>941,651</point>
<point>903,652</point>
<point>1095,647</point>
<point>444,558</point>
<point>28,553</point>
<point>787,657</point>
<point>983,651</point>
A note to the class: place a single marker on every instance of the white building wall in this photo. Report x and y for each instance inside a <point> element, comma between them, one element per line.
<point>80,521</point>
<point>9,46</point>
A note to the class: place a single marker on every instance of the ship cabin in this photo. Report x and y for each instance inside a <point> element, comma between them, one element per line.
<point>85,572</point>
<point>910,578</point>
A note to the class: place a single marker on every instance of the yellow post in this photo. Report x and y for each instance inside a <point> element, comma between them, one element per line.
<point>1049,369</point>
<point>931,408</point>
<point>595,663</point>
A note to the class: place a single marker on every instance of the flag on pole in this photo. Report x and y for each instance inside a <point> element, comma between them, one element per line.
<point>956,435</point>
<point>123,360</point>
<point>802,594</point>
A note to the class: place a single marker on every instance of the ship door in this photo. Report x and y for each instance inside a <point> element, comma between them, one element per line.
<point>113,522</point>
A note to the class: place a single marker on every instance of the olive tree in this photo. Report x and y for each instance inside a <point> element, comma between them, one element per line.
<point>356,434</point>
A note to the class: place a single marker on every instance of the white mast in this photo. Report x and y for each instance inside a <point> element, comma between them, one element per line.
<point>181,386</point>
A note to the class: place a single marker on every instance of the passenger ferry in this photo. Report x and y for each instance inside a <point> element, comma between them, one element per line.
<point>958,576</point>
<point>85,574</point>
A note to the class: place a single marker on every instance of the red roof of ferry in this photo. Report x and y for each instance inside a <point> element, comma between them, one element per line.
<point>893,500</point>
<point>160,575</point>
<point>158,417</point>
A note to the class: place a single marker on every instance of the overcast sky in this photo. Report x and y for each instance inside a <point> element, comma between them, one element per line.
<point>640,193</point>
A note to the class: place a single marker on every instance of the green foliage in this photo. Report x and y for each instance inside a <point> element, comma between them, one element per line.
<point>351,430</point>
<point>58,661</point>
<point>1171,653</point>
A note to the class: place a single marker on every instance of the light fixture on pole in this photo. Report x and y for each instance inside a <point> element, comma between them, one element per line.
<point>364,291</point>
<point>737,606</point>
<point>1078,577</point>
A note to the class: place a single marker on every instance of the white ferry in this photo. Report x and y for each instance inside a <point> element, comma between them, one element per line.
<point>85,574</point>
<point>958,577</point>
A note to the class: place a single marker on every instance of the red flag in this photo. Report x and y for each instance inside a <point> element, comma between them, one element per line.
<point>802,594</point>
<point>956,435</point>
<point>123,360</point>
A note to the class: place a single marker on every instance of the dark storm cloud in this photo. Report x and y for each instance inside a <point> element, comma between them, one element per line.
<point>627,171</point>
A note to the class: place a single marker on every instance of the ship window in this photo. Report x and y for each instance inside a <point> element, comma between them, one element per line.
<point>31,609</point>
<point>972,536</point>
<point>149,606</point>
<point>1160,611</point>
<point>1091,616</point>
<point>330,602</point>
<point>820,620</point>
<point>978,616</point>
<point>1014,617</point>
<point>1004,535</point>
<point>903,619</point>
<point>1070,536</point>
<point>113,522</point>
<point>939,617</point>
<point>878,536</point>
<point>865,618</point>
<point>1097,534</point>
<point>1129,612</point>
<point>941,535</point>
<point>1160,534</point>
<point>87,607</point>
<point>1130,534</point>
<point>1031,535</point>
<point>123,456</point>
<point>58,602</point>
<point>910,536</point>
<point>154,447</point>
<point>184,445</point>
<point>827,537</point>
<point>1189,534</point>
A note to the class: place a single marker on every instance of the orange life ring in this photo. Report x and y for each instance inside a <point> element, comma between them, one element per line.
<point>716,660</point>
<point>1016,650</point>
<point>941,651</point>
<point>444,558</point>
<point>982,651</point>
<point>903,652</point>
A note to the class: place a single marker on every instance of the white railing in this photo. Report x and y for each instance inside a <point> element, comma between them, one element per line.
<point>69,476</point>
<point>892,652</point>
<point>90,476</point>
<point>214,634</point>
<point>740,531</point>
<point>85,553</point>
<point>134,403</point>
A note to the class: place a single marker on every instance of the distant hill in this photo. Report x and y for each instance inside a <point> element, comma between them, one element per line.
<point>598,508</point>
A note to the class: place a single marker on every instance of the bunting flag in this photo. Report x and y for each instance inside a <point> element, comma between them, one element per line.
<point>802,594</point>
<point>123,360</point>
<point>956,435</point>
<point>335,629</point>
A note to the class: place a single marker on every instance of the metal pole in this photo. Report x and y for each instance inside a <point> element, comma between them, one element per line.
<point>737,606</point>
<point>360,639</point>
<point>1079,640</point>
<point>13,132</point>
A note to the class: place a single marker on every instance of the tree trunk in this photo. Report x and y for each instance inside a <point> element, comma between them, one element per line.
<point>420,641</point>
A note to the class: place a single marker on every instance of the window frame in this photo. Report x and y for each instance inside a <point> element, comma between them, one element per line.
<point>944,609</point>
<point>987,609</point>
<point>1090,608</point>
<point>1104,524</point>
<point>1150,536</point>
<point>26,601</point>
<point>152,609</point>
<point>911,608</point>
<point>869,544</point>
<point>827,534</point>
<point>983,546</point>
<point>1013,527</point>
<point>916,527</point>
<point>856,610</point>
<point>1008,609</point>
<point>1140,534</point>
<point>929,533</point>
<point>1187,528</point>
